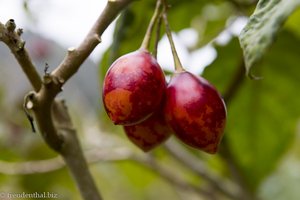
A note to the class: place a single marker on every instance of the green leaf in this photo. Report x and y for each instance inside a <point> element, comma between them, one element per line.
<point>262,28</point>
<point>262,115</point>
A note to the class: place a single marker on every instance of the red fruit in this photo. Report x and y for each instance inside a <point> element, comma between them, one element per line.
<point>150,133</point>
<point>195,111</point>
<point>133,88</point>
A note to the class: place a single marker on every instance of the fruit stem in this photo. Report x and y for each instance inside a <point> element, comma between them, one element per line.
<point>148,35</point>
<point>178,65</point>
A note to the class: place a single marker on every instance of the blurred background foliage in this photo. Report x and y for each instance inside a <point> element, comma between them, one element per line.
<point>259,156</point>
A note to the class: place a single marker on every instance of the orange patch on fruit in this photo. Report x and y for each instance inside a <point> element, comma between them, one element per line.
<point>118,104</point>
<point>181,113</point>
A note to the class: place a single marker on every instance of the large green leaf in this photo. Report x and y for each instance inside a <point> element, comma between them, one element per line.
<point>262,114</point>
<point>262,28</point>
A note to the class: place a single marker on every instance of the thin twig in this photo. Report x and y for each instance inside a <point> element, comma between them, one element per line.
<point>163,172</point>
<point>94,155</point>
<point>193,163</point>
<point>76,56</point>
<point>31,167</point>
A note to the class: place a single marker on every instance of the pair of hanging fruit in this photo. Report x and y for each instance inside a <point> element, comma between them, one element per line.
<point>137,96</point>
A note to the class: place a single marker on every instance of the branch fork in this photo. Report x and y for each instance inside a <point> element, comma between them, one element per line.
<point>51,115</point>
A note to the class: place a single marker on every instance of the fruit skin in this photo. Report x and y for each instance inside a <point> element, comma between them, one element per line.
<point>133,88</point>
<point>150,133</point>
<point>195,111</point>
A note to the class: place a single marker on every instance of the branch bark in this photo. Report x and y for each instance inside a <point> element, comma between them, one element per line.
<point>52,117</point>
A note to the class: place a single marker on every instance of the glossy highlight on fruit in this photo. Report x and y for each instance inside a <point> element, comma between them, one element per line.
<point>195,111</point>
<point>150,133</point>
<point>133,88</point>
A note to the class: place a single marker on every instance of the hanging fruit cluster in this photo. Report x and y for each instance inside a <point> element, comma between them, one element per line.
<point>137,96</point>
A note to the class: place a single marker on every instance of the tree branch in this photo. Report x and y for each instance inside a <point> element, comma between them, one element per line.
<point>72,153</point>
<point>76,56</point>
<point>52,116</point>
<point>12,39</point>
<point>52,83</point>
